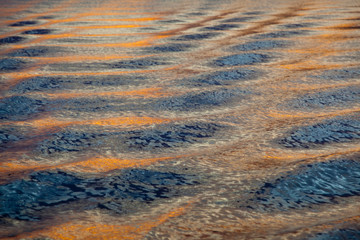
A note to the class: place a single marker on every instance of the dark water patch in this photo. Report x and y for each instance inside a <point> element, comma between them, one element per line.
<point>337,130</point>
<point>317,183</point>
<point>222,78</point>
<point>47,17</point>
<point>83,40</point>
<point>23,23</point>
<point>11,64</point>
<point>196,14</point>
<point>19,107</point>
<point>197,36</point>
<point>282,34</point>
<point>9,135</point>
<point>170,21</point>
<point>150,139</point>
<point>239,19</point>
<point>297,25</point>
<point>339,74</point>
<point>78,23</point>
<point>39,31</point>
<point>113,80</point>
<point>77,106</point>
<point>338,234</point>
<point>254,13</point>
<point>46,84</point>
<point>70,141</point>
<point>38,84</point>
<point>261,45</point>
<point>141,63</point>
<point>242,59</point>
<point>24,199</point>
<point>171,136</point>
<point>150,29</point>
<point>34,51</point>
<point>221,27</point>
<point>338,97</point>
<point>196,101</point>
<point>171,47</point>
<point>11,39</point>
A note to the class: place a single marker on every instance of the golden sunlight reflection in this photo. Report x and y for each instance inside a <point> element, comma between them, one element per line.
<point>178,119</point>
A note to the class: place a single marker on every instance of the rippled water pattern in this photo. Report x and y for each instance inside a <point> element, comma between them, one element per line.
<point>179,119</point>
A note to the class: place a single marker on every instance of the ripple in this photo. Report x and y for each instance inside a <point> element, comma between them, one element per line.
<point>9,135</point>
<point>339,74</point>
<point>142,63</point>
<point>24,199</point>
<point>170,47</point>
<point>312,184</point>
<point>221,27</point>
<point>297,25</point>
<point>338,234</point>
<point>20,107</point>
<point>11,64</point>
<point>261,45</point>
<point>70,141</point>
<point>34,51</point>
<point>242,59</point>
<point>192,101</point>
<point>48,84</point>
<point>39,31</point>
<point>239,19</point>
<point>11,39</point>
<point>172,136</point>
<point>222,78</point>
<point>337,97</point>
<point>159,137</point>
<point>282,34</point>
<point>337,130</point>
<point>197,36</point>
<point>23,23</point>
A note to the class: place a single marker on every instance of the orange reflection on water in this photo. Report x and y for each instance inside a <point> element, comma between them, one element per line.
<point>112,26</point>
<point>142,19</point>
<point>345,26</point>
<point>146,92</point>
<point>99,165</point>
<point>13,167</point>
<point>127,121</point>
<point>78,58</point>
<point>308,65</point>
<point>49,122</point>
<point>140,43</point>
<point>320,50</point>
<point>100,230</point>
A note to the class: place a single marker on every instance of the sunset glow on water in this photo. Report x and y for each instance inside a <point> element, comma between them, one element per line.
<point>169,119</point>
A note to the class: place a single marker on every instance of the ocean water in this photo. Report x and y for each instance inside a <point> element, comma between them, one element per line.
<point>169,119</point>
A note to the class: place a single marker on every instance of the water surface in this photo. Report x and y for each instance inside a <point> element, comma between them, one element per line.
<point>179,119</point>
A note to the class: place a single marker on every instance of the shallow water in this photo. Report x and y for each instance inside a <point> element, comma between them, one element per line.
<point>179,119</point>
